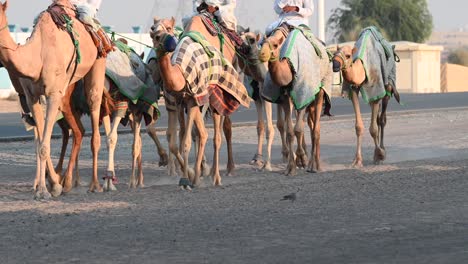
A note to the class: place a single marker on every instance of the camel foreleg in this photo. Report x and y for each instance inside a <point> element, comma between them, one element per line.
<point>217,140</point>
<point>258,158</point>
<point>359,127</point>
<point>280,123</point>
<point>136,152</point>
<point>291,166</point>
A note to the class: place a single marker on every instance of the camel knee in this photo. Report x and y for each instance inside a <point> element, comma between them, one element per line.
<point>359,130</point>
<point>374,130</point>
<point>44,152</point>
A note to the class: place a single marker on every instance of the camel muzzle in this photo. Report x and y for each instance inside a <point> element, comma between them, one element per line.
<point>336,66</point>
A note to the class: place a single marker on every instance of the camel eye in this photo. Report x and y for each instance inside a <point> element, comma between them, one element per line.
<point>348,56</point>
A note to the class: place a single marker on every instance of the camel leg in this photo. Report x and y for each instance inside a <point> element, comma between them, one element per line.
<point>203,137</point>
<point>73,119</point>
<point>112,138</point>
<point>359,126</point>
<point>171,134</point>
<point>136,150</point>
<point>291,166</point>
<point>53,104</point>
<point>270,134</point>
<point>151,130</point>
<point>315,150</point>
<point>227,128</point>
<point>280,123</point>
<point>217,140</point>
<point>301,155</point>
<point>382,123</point>
<point>374,130</point>
<point>257,159</point>
<point>186,181</point>
<point>65,138</point>
<point>94,86</point>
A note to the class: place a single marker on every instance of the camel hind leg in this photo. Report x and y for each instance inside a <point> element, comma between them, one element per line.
<point>163,157</point>
<point>382,121</point>
<point>136,151</point>
<point>314,164</point>
<point>227,129</point>
<point>280,123</point>
<point>374,130</point>
<point>217,140</point>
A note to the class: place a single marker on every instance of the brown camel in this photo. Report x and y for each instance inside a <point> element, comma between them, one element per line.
<point>175,82</point>
<point>356,81</point>
<point>282,75</point>
<point>44,60</point>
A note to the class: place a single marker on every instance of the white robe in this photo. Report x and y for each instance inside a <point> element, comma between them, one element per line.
<point>225,14</point>
<point>306,9</point>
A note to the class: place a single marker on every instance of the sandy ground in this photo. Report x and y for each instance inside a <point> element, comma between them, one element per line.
<point>412,209</point>
<point>9,106</point>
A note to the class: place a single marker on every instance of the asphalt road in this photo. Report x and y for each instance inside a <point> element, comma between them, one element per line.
<point>12,126</point>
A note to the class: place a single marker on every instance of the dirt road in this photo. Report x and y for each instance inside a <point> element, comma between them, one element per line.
<point>412,209</point>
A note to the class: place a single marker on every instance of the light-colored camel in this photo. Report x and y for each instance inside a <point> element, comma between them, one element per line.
<point>49,60</point>
<point>355,74</point>
<point>282,75</point>
<point>257,70</point>
<point>174,81</point>
<point>136,117</point>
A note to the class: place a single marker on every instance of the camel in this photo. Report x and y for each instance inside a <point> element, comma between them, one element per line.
<point>357,79</point>
<point>251,66</point>
<point>175,82</point>
<point>136,115</point>
<point>282,75</point>
<point>49,60</point>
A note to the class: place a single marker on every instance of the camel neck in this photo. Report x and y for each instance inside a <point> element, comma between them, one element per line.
<point>21,60</point>
<point>280,72</point>
<point>355,74</point>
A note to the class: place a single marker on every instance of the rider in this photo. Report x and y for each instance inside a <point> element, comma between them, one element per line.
<point>292,12</point>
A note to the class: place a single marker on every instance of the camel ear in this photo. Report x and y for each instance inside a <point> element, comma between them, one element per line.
<point>155,19</point>
<point>5,5</point>
<point>281,40</point>
<point>142,55</point>
<point>173,22</point>
<point>354,50</point>
<point>258,37</point>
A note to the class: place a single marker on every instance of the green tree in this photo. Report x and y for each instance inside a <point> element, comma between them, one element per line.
<point>408,20</point>
<point>458,56</point>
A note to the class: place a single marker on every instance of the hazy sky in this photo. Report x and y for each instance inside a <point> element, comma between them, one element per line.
<point>448,14</point>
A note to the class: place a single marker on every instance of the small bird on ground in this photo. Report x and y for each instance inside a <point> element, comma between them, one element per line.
<point>291,197</point>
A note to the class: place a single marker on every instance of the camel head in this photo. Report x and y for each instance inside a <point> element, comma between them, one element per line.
<point>162,34</point>
<point>343,58</point>
<point>271,47</point>
<point>252,40</point>
<point>163,24</point>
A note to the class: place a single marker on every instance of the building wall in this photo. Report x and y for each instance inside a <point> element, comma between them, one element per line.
<point>454,78</point>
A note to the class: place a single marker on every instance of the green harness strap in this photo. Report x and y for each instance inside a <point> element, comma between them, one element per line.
<point>73,34</point>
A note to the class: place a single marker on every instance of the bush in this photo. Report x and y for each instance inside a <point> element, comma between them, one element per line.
<point>458,56</point>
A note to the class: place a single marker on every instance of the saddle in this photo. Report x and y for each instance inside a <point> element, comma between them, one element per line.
<point>62,12</point>
<point>215,29</point>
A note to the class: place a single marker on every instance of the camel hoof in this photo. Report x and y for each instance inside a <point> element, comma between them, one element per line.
<point>357,164</point>
<point>185,184</point>
<point>191,173</point>
<point>163,160</point>
<point>42,195</point>
<point>267,167</point>
<point>291,171</point>
<point>206,170</point>
<point>56,190</point>
<point>95,188</point>
<point>301,161</point>
<point>108,186</point>
<point>257,160</point>
<point>217,181</point>
<point>379,156</point>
